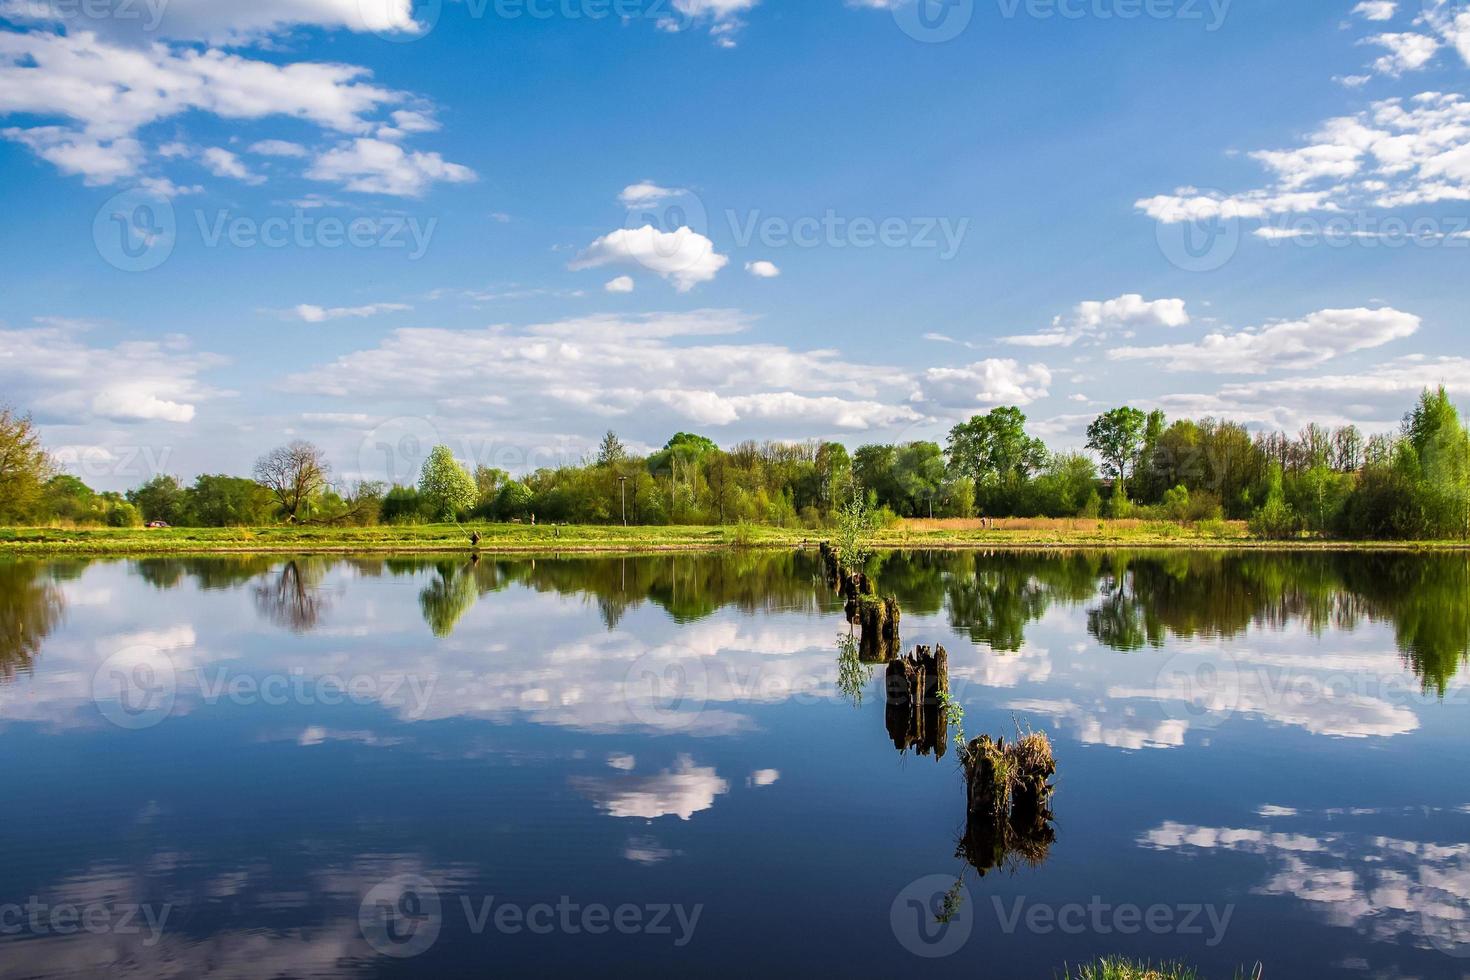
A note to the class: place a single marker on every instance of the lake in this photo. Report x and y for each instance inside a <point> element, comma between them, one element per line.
<point>343,767</point>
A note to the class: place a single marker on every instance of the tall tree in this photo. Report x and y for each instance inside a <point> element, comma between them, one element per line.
<point>293,474</point>
<point>445,486</point>
<point>995,447</point>
<point>24,466</point>
<point>611,450</point>
<point>1116,436</point>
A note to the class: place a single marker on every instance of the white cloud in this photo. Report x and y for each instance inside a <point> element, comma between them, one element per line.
<point>762,269</point>
<point>373,166</point>
<point>994,381</point>
<point>54,372</point>
<point>646,193</point>
<point>1376,10</point>
<point>1313,340</point>
<point>1398,152</point>
<point>278,148</point>
<point>223,163</point>
<point>1406,52</point>
<point>108,91</point>
<point>684,257</point>
<point>653,369</point>
<point>217,21</point>
<point>1451,20</point>
<point>97,161</point>
<point>723,16</point>
<point>319,314</point>
<point>1098,319</point>
<point>622,284</point>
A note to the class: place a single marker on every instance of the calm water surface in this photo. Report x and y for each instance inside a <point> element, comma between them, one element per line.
<point>682,765</point>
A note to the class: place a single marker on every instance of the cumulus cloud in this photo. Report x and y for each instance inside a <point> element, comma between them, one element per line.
<point>374,166</point>
<point>987,383</point>
<point>684,257</point>
<point>1315,339</point>
<point>107,90</point>
<point>762,269</point>
<point>1376,10</point>
<point>1399,152</point>
<point>1406,52</point>
<point>660,369</point>
<point>52,370</point>
<point>622,284</point>
<point>1097,319</point>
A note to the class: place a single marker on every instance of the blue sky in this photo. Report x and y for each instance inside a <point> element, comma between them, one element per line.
<point>860,220</point>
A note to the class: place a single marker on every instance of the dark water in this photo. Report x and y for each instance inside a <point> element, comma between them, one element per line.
<point>679,766</point>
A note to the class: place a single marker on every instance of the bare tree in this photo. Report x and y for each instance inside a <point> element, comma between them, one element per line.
<point>293,474</point>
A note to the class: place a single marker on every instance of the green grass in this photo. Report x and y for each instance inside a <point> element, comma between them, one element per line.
<point>1117,968</point>
<point>543,539</point>
<point>1113,968</point>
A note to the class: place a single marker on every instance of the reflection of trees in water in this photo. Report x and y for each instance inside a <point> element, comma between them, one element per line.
<point>1426,598</point>
<point>31,606</point>
<point>451,593</point>
<point>292,597</point>
<point>998,597</point>
<point>205,573</point>
<point>1131,600</point>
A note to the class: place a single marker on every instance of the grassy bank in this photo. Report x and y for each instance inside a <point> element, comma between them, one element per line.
<point>524,539</point>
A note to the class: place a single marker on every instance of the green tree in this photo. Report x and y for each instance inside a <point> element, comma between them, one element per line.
<point>514,501</point>
<point>611,451</point>
<point>995,447</point>
<point>226,501</point>
<point>1117,436</point>
<point>24,467</point>
<point>160,499</point>
<point>446,487</point>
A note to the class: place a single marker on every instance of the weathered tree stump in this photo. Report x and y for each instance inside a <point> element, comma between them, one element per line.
<point>1008,791</point>
<point>915,714</point>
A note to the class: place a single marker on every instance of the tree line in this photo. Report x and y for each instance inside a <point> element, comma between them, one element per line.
<point>1413,483</point>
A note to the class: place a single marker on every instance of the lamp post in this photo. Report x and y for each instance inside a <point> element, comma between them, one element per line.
<point>623,486</point>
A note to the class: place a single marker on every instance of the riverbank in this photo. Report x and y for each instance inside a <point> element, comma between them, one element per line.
<point>525,539</point>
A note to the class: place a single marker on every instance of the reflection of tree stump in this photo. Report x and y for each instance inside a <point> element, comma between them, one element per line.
<point>850,586</point>
<point>878,619</point>
<point>915,713</point>
<point>1008,792</point>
